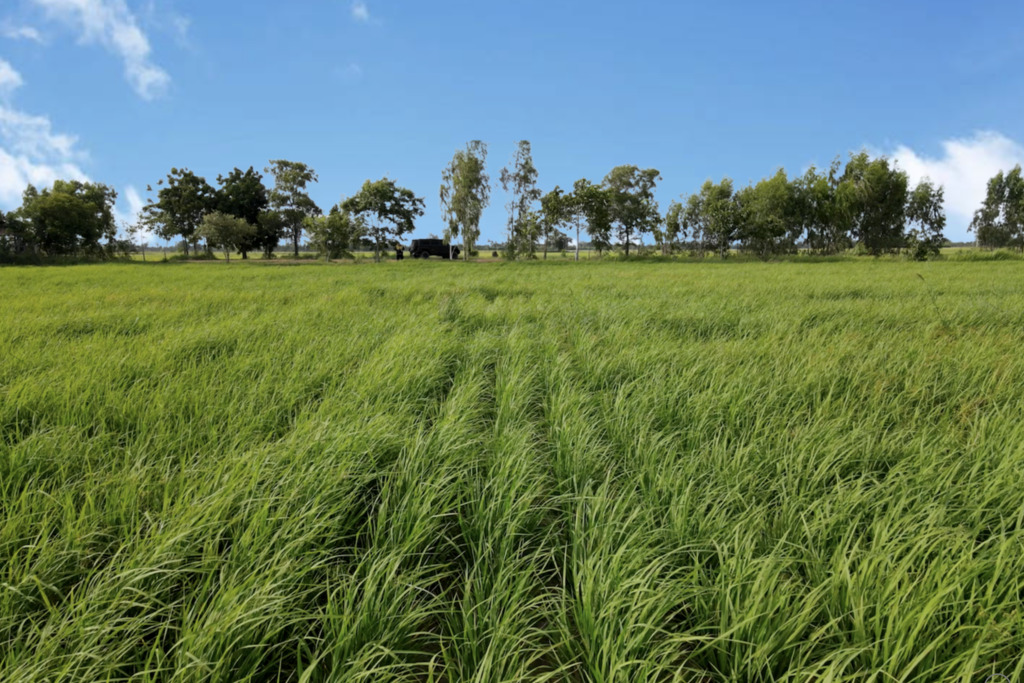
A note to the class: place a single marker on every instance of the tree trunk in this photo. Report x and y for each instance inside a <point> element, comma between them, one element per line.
<point>627,243</point>
<point>227,255</point>
<point>245,256</point>
<point>577,239</point>
<point>295,241</point>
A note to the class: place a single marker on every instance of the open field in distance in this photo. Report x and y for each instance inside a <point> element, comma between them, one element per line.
<point>598,472</point>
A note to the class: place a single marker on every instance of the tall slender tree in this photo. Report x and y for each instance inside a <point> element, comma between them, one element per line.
<point>674,229</point>
<point>465,193</point>
<point>520,181</point>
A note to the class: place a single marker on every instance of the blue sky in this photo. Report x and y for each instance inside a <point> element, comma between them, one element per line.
<point>119,91</point>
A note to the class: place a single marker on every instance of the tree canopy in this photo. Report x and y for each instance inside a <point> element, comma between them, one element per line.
<point>465,193</point>
<point>390,210</point>
<point>71,217</point>
<point>519,179</point>
<point>290,196</point>
<point>632,207</point>
<point>180,204</point>
<point>242,194</point>
<point>224,231</point>
<point>333,235</point>
<point>999,222</point>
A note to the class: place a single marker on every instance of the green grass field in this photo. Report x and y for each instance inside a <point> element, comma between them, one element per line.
<point>495,472</point>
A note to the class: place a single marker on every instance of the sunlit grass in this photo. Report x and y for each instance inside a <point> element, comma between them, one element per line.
<point>512,472</point>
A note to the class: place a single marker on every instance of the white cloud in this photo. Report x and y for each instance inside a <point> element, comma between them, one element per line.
<point>129,206</point>
<point>30,152</point>
<point>21,33</point>
<point>352,72</point>
<point>111,24</point>
<point>17,171</point>
<point>33,136</point>
<point>360,12</point>
<point>963,169</point>
<point>10,80</point>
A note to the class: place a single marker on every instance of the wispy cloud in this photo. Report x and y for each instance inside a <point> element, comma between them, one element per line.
<point>963,168</point>
<point>126,211</point>
<point>360,12</point>
<point>30,152</point>
<point>20,33</point>
<point>352,72</point>
<point>111,24</point>
<point>10,80</point>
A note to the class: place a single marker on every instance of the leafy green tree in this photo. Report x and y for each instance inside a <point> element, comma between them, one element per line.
<point>559,241</point>
<point>224,231</point>
<point>999,222</point>
<point>825,229</point>
<point>672,229</point>
<point>289,196</point>
<point>927,220</point>
<point>712,217</point>
<point>179,206</point>
<point>530,231</point>
<point>575,209</point>
<point>243,195</point>
<point>465,193</point>
<point>520,181</point>
<point>391,210</point>
<point>15,235</point>
<point>69,218</point>
<point>592,203</point>
<point>872,196</point>
<point>556,211</point>
<point>633,209</point>
<point>334,234</point>
<point>6,236</point>
<point>270,229</point>
<point>769,216</point>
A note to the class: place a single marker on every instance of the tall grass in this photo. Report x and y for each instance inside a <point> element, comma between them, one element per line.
<point>594,472</point>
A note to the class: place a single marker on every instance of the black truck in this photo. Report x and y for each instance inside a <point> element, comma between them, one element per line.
<point>433,247</point>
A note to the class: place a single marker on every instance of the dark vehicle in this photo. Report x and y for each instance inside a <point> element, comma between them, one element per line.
<point>428,248</point>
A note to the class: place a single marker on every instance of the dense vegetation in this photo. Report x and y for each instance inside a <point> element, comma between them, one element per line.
<point>868,203</point>
<point>597,472</point>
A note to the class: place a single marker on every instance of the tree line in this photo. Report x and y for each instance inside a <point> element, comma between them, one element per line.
<point>866,202</point>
